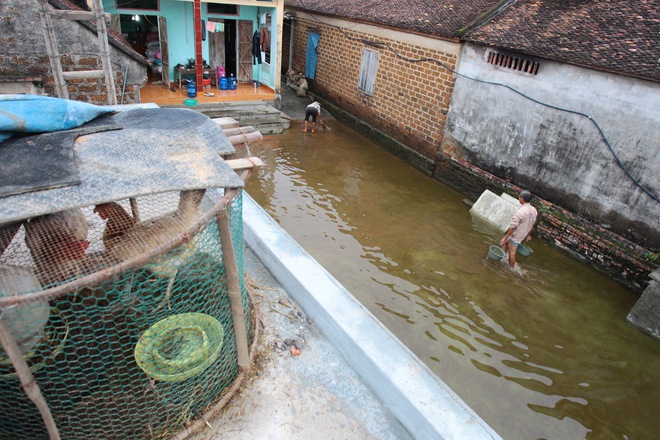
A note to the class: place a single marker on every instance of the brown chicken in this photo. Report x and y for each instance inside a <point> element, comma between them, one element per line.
<point>124,239</point>
<point>118,221</point>
<point>57,243</point>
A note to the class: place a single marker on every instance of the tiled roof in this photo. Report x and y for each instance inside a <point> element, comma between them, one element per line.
<point>615,35</point>
<point>432,17</point>
<point>621,36</point>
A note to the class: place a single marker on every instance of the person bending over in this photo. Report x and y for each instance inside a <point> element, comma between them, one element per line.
<point>313,111</point>
<point>522,224</point>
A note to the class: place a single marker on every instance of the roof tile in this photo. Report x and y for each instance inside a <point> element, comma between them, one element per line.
<point>621,36</point>
<point>614,35</point>
<point>442,19</point>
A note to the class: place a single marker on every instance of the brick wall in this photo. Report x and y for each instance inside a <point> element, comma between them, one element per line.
<point>410,100</point>
<point>91,90</point>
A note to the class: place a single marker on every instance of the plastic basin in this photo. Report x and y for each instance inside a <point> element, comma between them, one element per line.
<point>496,252</point>
<point>524,250</point>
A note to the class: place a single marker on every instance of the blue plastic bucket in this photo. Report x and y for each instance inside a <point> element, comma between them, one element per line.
<point>192,89</point>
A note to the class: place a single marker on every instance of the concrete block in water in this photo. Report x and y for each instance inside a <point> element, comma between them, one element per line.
<point>645,314</point>
<point>495,210</point>
<point>511,199</point>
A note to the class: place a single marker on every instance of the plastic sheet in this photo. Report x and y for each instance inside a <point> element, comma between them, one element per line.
<point>43,114</point>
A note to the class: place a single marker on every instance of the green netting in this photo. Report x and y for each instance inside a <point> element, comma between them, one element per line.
<point>136,356</point>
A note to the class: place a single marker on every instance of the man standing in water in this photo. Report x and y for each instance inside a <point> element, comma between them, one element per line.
<point>522,224</point>
<point>313,111</point>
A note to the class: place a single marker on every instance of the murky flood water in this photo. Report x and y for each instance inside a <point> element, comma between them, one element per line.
<point>545,354</point>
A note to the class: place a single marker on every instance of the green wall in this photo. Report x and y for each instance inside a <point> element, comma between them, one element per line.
<point>181,38</point>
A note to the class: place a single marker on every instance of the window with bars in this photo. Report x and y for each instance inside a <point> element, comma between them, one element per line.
<point>513,63</point>
<point>223,9</point>
<point>367,80</point>
<point>138,4</point>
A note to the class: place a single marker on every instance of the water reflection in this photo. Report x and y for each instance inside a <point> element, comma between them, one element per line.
<point>545,353</point>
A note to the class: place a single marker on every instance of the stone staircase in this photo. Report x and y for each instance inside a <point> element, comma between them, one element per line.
<point>259,114</point>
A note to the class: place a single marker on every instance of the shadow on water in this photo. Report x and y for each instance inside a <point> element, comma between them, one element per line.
<point>540,353</point>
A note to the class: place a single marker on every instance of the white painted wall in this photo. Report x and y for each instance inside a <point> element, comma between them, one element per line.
<point>559,155</point>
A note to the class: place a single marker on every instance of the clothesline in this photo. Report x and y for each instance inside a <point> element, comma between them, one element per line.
<point>214,26</point>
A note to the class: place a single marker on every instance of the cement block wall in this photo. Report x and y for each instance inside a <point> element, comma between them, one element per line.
<point>562,155</point>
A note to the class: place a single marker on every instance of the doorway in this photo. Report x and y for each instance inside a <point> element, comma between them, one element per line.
<point>222,45</point>
<point>142,33</point>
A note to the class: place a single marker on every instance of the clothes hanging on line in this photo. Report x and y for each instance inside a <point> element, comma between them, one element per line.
<point>264,38</point>
<point>256,48</point>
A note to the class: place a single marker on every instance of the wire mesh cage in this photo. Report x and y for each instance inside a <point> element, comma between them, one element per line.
<point>145,341</point>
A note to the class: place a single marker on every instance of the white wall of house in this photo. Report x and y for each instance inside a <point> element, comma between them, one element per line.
<point>561,155</point>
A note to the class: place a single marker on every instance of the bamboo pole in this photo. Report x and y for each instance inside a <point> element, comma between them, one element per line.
<point>245,138</point>
<point>234,288</point>
<point>135,209</point>
<point>238,130</point>
<point>104,48</point>
<point>53,52</point>
<point>30,386</point>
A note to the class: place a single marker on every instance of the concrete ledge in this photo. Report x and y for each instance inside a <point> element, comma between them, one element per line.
<point>424,405</point>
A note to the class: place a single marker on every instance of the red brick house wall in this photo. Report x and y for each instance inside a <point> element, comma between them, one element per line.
<point>410,100</point>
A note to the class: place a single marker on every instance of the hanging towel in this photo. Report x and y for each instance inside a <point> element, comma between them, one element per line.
<point>210,26</point>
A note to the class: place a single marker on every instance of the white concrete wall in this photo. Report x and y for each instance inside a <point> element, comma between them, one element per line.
<point>560,155</point>
<point>423,404</point>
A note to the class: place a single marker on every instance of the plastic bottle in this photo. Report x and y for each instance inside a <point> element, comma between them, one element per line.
<point>232,82</point>
<point>223,83</point>
<point>192,89</point>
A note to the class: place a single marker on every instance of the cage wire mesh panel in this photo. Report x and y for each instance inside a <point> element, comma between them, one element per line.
<point>136,356</point>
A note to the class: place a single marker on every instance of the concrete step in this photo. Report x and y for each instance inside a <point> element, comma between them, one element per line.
<point>259,114</point>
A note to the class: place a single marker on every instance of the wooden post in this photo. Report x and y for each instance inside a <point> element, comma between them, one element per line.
<point>53,52</point>
<point>234,289</point>
<point>27,380</point>
<point>104,47</point>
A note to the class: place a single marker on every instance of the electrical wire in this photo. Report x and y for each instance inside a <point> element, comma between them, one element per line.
<point>440,63</point>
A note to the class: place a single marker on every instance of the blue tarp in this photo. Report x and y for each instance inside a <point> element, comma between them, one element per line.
<point>43,114</point>
<point>312,55</point>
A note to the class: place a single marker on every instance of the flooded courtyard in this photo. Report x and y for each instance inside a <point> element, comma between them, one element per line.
<point>541,354</point>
